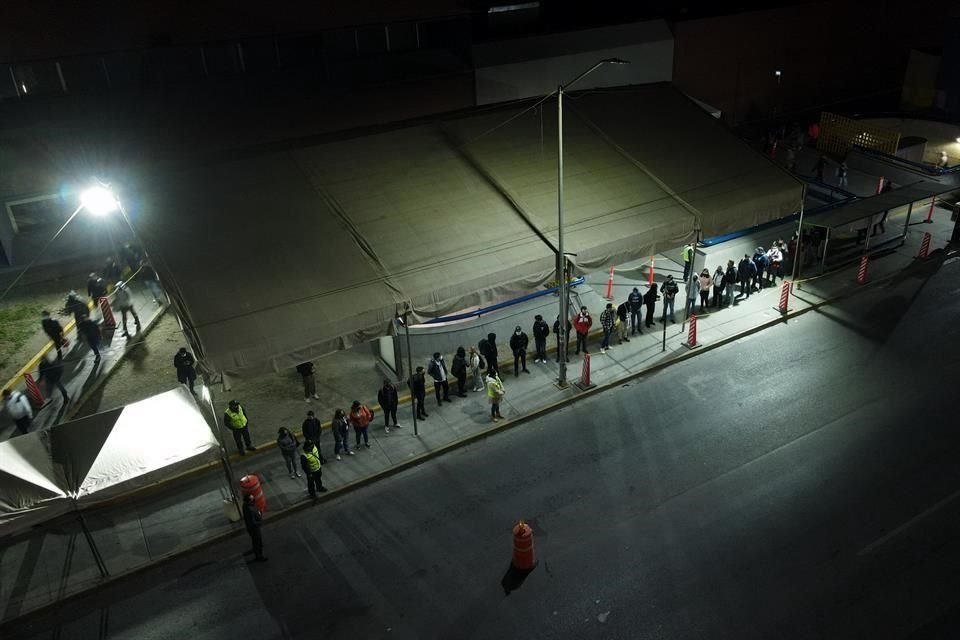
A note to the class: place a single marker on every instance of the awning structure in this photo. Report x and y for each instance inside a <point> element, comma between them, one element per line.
<point>856,213</point>
<point>94,459</point>
<point>282,255</point>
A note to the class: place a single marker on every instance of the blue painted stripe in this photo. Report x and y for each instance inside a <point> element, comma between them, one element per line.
<point>503,305</point>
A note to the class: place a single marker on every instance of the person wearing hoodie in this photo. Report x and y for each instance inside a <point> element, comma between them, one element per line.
<point>488,349</point>
<point>360,418</point>
<point>311,428</point>
<point>693,292</point>
<point>635,301</point>
<point>670,289</point>
<point>418,390</point>
<point>288,445</point>
<point>518,345</point>
<point>51,373</point>
<point>54,331</point>
<point>437,369</point>
<point>745,271</point>
<point>582,324</point>
<point>475,370</point>
<point>459,370</point>
<point>340,426</point>
<point>124,302</point>
<point>650,300</point>
<point>730,281</point>
<point>540,332</point>
<point>621,324</point>
<point>760,262</point>
<point>389,400</point>
<point>608,318</point>
<point>495,393</point>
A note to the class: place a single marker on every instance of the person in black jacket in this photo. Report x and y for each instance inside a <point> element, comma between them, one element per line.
<point>518,345</point>
<point>96,287</point>
<point>556,332</point>
<point>54,331</point>
<point>635,304</point>
<point>311,428</point>
<point>305,369</point>
<point>650,300</point>
<point>252,519</point>
<point>459,370</point>
<point>622,321</point>
<point>184,363</point>
<point>540,332</point>
<point>438,371</point>
<point>76,306</point>
<point>488,349</point>
<point>51,372</point>
<point>91,333</point>
<point>418,387</point>
<point>389,399</point>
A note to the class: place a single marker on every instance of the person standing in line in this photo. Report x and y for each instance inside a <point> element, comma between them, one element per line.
<point>687,261</point>
<point>340,427</point>
<point>51,372</point>
<point>311,428</point>
<point>774,260</point>
<point>744,276</point>
<point>459,370</point>
<point>621,323</point>
<point>760,263</point>
<point>607,319</point>
<point>670,289</point>
<point>19,409</point>
<point>730,281</point>
<point>312,464</point>
<point>54,331</point>
<point>418,388</point>
<point>565,338</point>
<point>718,276</point>
<point>91,333</point>
<point>288,444</point>
<point>235,418</point>
<point>389,399</point>
<point>518,345</point>
<point>360,418</point>
<point>582,324</point>
<point>635,301</point>
<point>124,302</point>
<point>705,283</point>
<point>650,300</point>
<point>488,349</point>
<point>253,519</point>
<point>184,363</point>
<point>842,175</point>
<point>438,371</point>
<point>309,379</point>
<point>693,292</point>
<point>540,332</point>
<point>475,367</point>
<point>495,393</point>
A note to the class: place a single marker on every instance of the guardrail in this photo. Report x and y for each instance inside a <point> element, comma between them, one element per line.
<point>927,169</point>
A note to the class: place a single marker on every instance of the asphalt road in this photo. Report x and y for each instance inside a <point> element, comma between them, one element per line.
<point>801,483</point>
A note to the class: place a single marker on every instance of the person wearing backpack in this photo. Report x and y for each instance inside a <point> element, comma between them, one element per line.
<point>488,349</point>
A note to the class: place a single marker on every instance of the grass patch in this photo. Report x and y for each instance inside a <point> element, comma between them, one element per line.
<point>18,323</point>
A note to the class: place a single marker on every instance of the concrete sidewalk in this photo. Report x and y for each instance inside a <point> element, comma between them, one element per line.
<point>42,567</point>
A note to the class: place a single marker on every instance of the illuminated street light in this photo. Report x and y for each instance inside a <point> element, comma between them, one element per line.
<point>99,200</point>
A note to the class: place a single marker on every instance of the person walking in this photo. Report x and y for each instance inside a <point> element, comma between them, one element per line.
<point>96,287</point>
<point>540,332</point>
<point>621,323</point>
<point>235,418</point>
<point>311,428</point>
<point>670,289</point>
<point>312,464</point>
<point>252,520</point>
<point>51,373</point>
<point>687,261</point>
<point>54,331</point>
<point>309,379</point>
<point>91,333</point>
<point>565,338</point>
<point>76,306</point>
<point>124,302</point>
<point>705,283</point>
<point>288,444</point>
<point>650,300</point>
<point>19,409</point>
<point>582,324</point>
<point>730,281</point>
<point>184,363</point>
<point>518,345</point>
<point>438,371</point>
<point>360,418</point>
<point>718,276</point>
<point>340,426</point>
<point>607,319</point>
<point>842,175</point>
<point>635,302</point>
<point>389,399</point>
<point>495,393</point>
<point>476,364</point>
<point>418,388</point>
<point>488,349</point>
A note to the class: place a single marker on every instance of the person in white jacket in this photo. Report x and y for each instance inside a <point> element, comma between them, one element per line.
<point>18,408</point>
<point>124,302</point>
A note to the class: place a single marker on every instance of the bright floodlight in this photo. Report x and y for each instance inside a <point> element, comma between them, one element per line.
<point>99,200</point>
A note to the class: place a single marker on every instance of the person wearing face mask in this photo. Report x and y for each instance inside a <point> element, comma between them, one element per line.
<point>518,344</point>
<point>438,371</point>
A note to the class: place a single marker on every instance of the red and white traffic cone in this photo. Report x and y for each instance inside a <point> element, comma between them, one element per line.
<point>109,322</point>
<point>862,271</point>
<point>650,272</point>
<point>924,246</point>
<point>609,295</point>
<point>784,297</point>
<point>33,391</point>
<point>933,204</point>
<point>584,382</point>
<point>880,184</point>
<point>691,342</point>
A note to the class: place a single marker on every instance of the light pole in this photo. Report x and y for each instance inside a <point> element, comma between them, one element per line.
<point>561,255</point>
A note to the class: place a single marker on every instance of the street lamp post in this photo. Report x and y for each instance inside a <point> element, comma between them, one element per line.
<point>561,255</point>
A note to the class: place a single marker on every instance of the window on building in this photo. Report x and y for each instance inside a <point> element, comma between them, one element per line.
<point>85,74</point>
<point>38,79</point>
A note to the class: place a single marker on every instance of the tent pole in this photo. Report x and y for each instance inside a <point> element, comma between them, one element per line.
<point>413,400</point>
<point>90,541</point>
<point>224,458</point>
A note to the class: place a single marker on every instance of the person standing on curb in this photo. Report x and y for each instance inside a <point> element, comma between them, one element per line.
<point>19,409</point>
<point>760,262</point>
<point>687,261</point>
<point>582,324</point>
<point>459,370</point>
<point>705,283</point>
<point>636,310</point>
<point>621,324</point>
<point>54,331</point>
<point>124,302</point>
<point>312,464</point>
<point>288,445</point>
<point>540,332</point>
<point>389,400</point>
<point>91,333</point>
<point>566,338</point>
<point>730,281</point>
<point>235,418</point>
<point>693,292</point>
<point>670,289</point>
<point>51,372</point>
<point>607,319</point>
<point>718,277</point>
<point>488,349</point>
<point>518,345</point>
<point>311,428</point>
<point>438,371</point>
<point>476,364</point>
<point>340,427</point>
<point>253,519</point>
<point>774,264</point>
<point>184,363</point>
<point>495,393</point>
<point>744,276</point>
<point>360,418</point>
<point>418,388</point>
<point>650,300</point>
<point>306,371</point>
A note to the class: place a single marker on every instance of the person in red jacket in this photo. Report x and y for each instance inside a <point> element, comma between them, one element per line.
<point>582,324</point>
<point>360,418</point>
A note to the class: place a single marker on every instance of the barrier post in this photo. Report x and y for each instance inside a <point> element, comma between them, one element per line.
<point>782,307</point>
<point>933,203</point>
<point>584,383</point>
<point>880,185</point>
<point>650,272</point>
<point>862,271</point>
<point>609,295</point>
<point>109,321</point>
<point>33,391</point>
<point>691,342</point>
<point>924,246</point>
